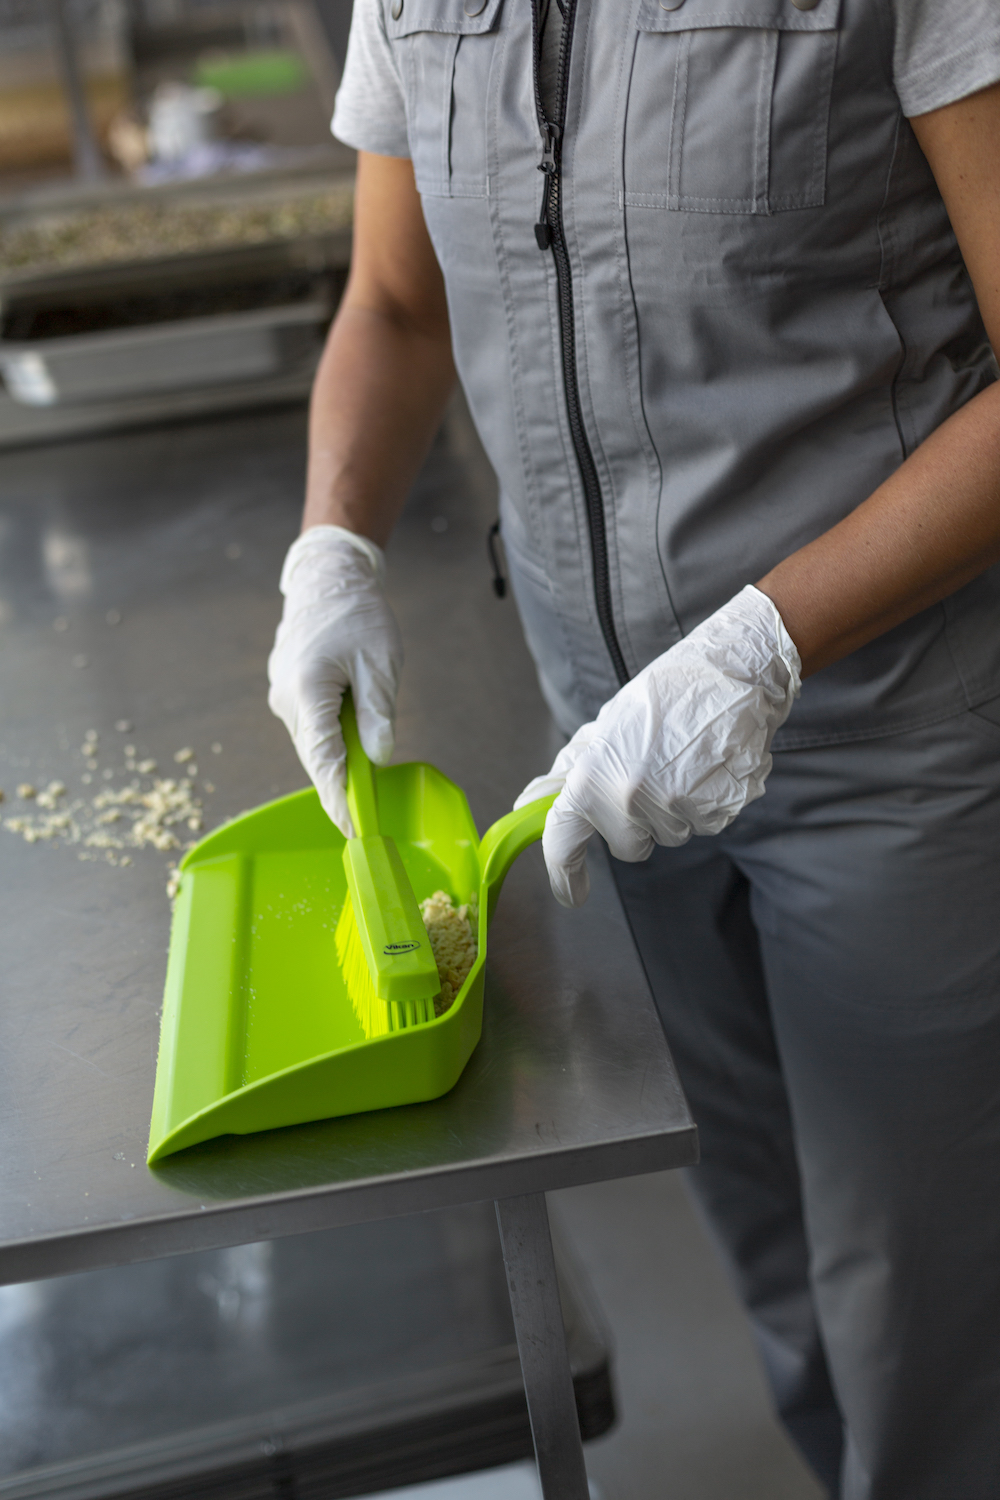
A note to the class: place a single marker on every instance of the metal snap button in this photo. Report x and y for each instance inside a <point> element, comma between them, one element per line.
<point>397,9</point>
<point>474,7</point>
<point>671,4</point>
<point>805,4</point>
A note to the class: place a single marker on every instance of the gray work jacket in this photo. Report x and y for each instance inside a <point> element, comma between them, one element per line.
<point>743,308</point>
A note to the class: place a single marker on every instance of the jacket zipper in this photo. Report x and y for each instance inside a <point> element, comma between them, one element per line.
<point>549,235</point>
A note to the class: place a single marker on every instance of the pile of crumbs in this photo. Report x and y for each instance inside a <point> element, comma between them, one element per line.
<point>149,812</point>
<point>451,930</point>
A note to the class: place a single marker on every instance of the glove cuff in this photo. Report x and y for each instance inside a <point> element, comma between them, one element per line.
<point>785,648</point>
<point>330,539</point>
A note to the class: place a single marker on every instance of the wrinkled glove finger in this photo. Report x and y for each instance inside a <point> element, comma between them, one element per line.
<point>555,779</point>
<point>564,845</point>
<point>320,746</point>
<point>542,786</point>
<point>375,707</point>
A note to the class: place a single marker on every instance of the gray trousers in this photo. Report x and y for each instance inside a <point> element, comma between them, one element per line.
<point>828,976</point>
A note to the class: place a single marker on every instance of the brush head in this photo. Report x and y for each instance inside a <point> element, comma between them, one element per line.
<point>382,944</point>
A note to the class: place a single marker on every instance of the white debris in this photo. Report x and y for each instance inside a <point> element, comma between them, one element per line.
<point>135,816</point>
<point>26,791</point>
<point>52,793</point>
<point>180,756</point>
<point>216,748</point>
<point>123,725</point>
<point>146,767</point>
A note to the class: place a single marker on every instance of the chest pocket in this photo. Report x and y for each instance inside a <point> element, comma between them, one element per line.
<point>729,105</point>
<point>445,50</point>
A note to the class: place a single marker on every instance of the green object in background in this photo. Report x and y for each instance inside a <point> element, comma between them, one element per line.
<point>258,1028</point>
<point>247,75</point>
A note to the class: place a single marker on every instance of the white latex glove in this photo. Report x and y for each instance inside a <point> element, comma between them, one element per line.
<point>681,749</point>
<point>337,631</point>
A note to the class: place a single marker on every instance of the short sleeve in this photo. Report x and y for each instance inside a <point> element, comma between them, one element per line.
<point>370,111</point>
<point>944,50</point>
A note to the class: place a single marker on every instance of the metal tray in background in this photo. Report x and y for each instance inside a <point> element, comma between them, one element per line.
<point>171,366</point>
<point>183,355</point>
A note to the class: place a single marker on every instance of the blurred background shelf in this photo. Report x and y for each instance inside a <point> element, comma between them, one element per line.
<point>179,244</point>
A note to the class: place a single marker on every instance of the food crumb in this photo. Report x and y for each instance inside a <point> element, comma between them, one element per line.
<point>146,767</point>
<point>130,751</point>
<point>216,748</point>
<point>26,791</point>
<point>180,756</point>
<point>123,725</point>
<point>453,943</point>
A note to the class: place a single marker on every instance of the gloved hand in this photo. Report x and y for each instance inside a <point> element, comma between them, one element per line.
<point>681,749</point>
<point>337,631</point>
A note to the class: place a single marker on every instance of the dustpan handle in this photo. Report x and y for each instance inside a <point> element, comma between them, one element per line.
<point>502,843</point>
<point>362,795</point>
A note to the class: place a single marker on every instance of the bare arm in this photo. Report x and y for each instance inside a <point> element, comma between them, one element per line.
<point>935,524</point>
<point>387,369</point>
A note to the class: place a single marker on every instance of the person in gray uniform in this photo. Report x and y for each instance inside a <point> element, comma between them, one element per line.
<point>728,353</point>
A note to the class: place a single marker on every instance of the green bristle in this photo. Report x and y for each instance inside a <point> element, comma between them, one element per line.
<point>372,1012</point>
<point>377,1017</point>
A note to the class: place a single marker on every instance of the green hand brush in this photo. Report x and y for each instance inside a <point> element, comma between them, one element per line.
<point>382,945</point>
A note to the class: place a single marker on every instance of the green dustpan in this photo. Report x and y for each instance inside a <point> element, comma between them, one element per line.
<point>258,1030</point>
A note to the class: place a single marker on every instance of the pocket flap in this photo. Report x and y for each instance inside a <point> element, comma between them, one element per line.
<point>767,15</point>
<point>452,17</point>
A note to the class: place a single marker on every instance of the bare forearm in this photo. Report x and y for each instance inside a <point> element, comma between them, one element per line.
<point>926,531</point>
<point>936,523</point>
<point>378,398</point>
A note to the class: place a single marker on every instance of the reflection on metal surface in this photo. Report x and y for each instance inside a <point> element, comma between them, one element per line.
<point>67,565</point>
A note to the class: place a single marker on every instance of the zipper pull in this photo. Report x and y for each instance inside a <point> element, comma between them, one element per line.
<point>550,138</point>
<point>549,166</point>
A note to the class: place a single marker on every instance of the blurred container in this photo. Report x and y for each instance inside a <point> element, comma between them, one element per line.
<point>182,119</point>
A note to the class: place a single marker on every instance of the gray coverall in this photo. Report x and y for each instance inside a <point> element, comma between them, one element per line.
<point>724,312</point>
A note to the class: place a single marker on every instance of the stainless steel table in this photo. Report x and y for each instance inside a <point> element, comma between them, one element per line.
<point>181,533</point>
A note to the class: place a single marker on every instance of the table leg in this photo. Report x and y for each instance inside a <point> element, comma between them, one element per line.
<point>541,1343</point>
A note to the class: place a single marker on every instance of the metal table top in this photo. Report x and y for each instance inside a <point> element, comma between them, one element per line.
<point>181,533</point>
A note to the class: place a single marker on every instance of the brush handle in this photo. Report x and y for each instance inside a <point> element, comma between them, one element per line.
<point>502,843</point>
<point>362,795</point>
